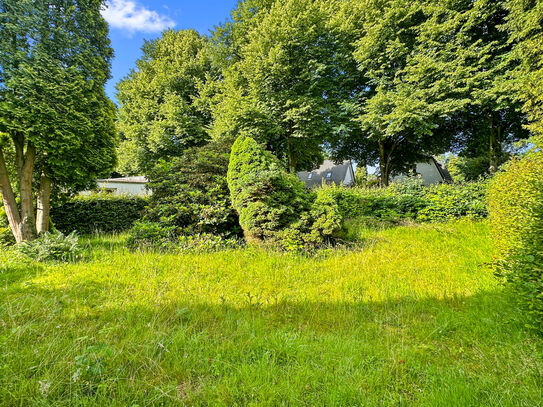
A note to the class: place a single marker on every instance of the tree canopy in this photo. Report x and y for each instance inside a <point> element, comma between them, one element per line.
<point>158,115</point>
<point>56,123</point>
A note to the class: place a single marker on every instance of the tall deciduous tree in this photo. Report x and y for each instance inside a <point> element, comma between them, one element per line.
<point>525,25</point>
<point>55,120</point>
<point>481,51</point>
<point>283,88</point>
<point>404,99</point>
<point>158,116</point>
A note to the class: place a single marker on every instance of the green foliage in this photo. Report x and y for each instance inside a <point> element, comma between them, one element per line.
<point>273,205</point>
<point>467,169</point>
<point>6,237</point>
<point>285,82</point>
<point>52,247</point>
<point>190,194</point>
<point>151,235</point>
<point>516,214</point>
<point>98,213</point>
<point>411,200</point>
<point>55,59</point>
<point>158,116</point>
<point>452,201</point>
<point>525,25</point>
<point>361,176</point>
<point>146,235</point>
<point>56,122</point>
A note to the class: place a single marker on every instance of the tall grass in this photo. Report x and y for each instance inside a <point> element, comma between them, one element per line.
<point>412,316</point>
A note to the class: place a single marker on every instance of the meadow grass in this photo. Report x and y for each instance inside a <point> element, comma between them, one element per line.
<point>412,315</point>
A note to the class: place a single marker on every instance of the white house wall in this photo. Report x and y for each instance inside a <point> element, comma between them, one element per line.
<point>124,188</point>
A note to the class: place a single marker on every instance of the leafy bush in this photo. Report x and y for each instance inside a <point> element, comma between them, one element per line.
<point>151,235</point>
<point>206,242</point>
<point>155,236</point>
<point>98,213</point>
<point>516,215</point>
<point>273,205</point>
<point>6,237</point>
<point>464,169</point>
<point>52,247</point>
<point>411,200</point>
<point>452,201</point>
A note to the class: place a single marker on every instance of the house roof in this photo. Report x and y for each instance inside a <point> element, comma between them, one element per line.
<point>329,171</point>
<point>445,174</point>
<point>128,180</point>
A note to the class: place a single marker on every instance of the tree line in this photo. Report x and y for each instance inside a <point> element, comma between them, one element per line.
<point>382,82</point>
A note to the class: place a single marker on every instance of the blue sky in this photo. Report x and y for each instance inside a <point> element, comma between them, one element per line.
<point>133,21</point>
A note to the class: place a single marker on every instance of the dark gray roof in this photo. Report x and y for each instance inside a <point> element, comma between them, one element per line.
<point>445,174</point>
<point>328,171</point>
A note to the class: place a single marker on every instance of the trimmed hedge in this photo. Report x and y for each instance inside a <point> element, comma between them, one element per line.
<point>516,216</point>
<point>98,213</point>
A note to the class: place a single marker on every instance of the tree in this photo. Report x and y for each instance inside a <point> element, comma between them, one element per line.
<point>273,205</point>
<point>283,85</point>
<point>159,117</point>
<point>404,99</point>
<point>492,118</point>
<point>190,193</point>
<point>525,25</point>
<point>56,124</point>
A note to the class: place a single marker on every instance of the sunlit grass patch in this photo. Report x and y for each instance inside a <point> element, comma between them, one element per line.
<point>411,316</point>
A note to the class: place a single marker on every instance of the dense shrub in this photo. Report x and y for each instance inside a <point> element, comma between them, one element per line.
<point>190,198</point>
<point>190,193</point>
<point>273,205</point>
<point>52,247</point>
<point>516,214</point>
<point>452,201</point>
<point>464,169</point>
<point>155,236</point>
<point>98,213</point>
<point>151,235</point>
<point>411,200</point>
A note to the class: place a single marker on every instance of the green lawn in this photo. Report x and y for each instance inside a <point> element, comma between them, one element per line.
<point>412,316</point>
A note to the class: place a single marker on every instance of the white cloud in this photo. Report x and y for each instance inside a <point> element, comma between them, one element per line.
<point>130,16</point>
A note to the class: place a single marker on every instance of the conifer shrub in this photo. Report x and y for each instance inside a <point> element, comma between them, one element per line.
<point>190,193</point>
<point>273,205</point>
<point>516,215</point>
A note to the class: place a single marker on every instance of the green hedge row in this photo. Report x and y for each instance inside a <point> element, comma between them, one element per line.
<point>411,200</point>
<point>98,213</point>
<point>516,216</point>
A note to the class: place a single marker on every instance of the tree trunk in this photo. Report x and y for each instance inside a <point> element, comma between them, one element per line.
<point>44,205</point>
<point>28,220</point>
<point>291,156</point>
<point>384,163</point>
<point>495,146</point>
<point>10,203</point>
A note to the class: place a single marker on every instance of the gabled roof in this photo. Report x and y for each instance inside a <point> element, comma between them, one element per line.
<point>445,174</point>
<point>328,171</point>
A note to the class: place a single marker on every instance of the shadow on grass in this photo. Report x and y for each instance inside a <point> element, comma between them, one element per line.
<point>461,350</point>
